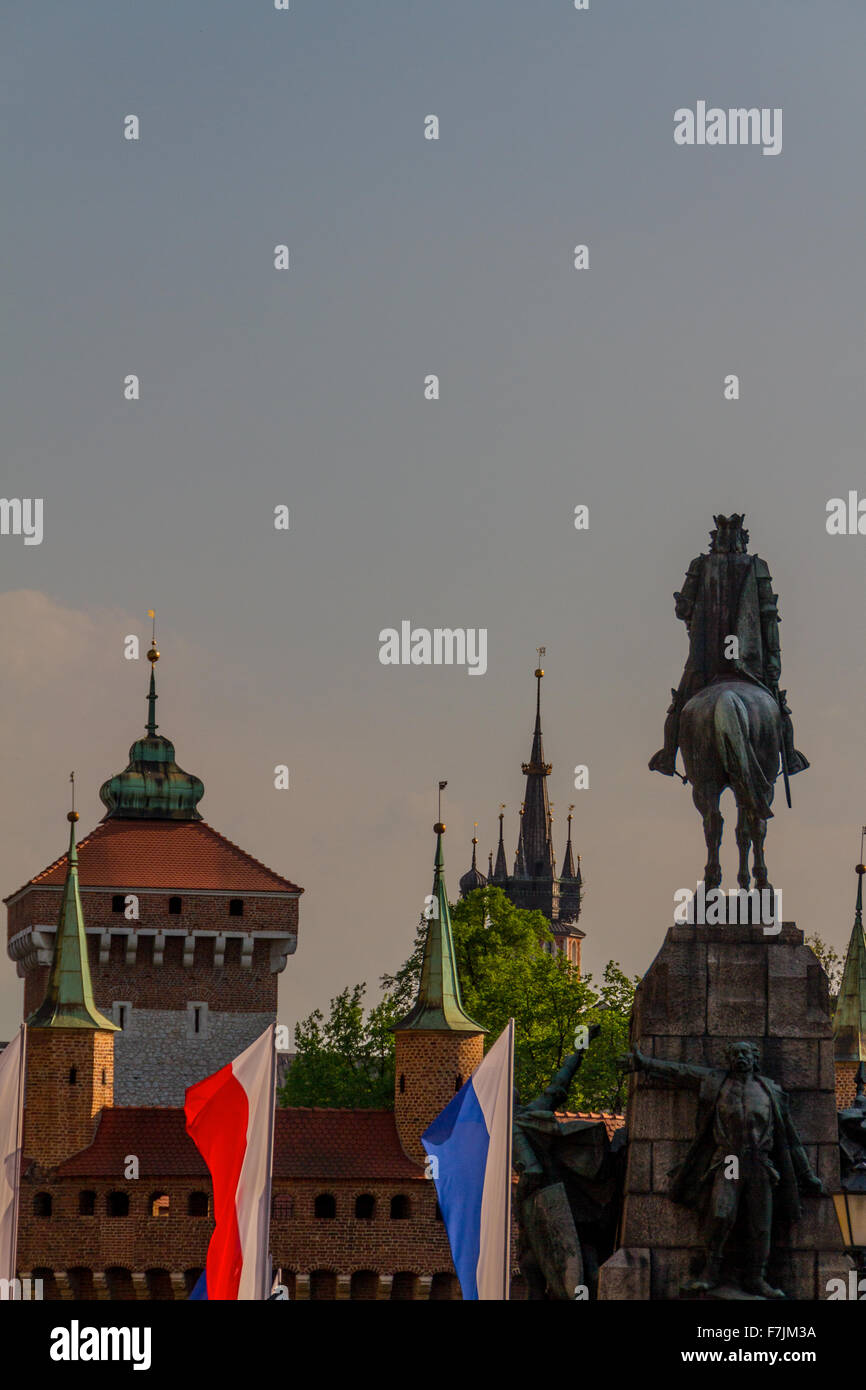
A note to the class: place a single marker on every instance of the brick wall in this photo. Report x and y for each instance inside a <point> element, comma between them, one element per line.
<point>846,1084</point>
<point>59,1116</point>
<point>430,1067</point>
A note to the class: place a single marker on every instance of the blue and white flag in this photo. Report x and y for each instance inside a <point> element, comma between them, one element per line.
<point>469,1148</point>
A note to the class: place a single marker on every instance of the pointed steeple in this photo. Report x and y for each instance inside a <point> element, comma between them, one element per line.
<point>519,857</point>
<point>849,1023</point>
<point>68,1001</point>
<point>489,865</point>
<point>152,787</point>
<point>568,862</point>
<point>438,1007</point>
<point>500,873</point>
<point>535,826</point>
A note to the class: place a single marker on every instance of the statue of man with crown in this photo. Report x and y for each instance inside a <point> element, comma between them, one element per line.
<point>731,615</point>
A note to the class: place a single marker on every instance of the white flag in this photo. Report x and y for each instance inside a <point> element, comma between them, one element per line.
<point>11,1102</point>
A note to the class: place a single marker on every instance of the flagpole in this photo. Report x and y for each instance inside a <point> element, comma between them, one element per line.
<point>506,1281</point>
<point>266,1276</point>
<point>19,1145</point>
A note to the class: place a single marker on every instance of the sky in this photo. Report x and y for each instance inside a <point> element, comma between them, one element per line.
<point>601,387</point>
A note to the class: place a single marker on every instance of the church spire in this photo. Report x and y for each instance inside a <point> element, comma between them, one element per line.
<point>500,872</point>
<point>473,878</point>
<point>568,862</point>
<point>68,1001</point>
<point>438,1007</point>
<point>849,1023</point>
<point>152,787</point>
<point>535,826</point>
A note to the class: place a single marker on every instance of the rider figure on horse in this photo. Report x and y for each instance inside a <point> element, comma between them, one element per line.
<point>731,615</point>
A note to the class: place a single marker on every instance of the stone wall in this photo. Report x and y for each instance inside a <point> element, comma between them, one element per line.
<point>159,1054</point>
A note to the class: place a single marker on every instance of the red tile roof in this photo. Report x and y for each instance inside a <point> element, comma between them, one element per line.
<point>324,1145</point>
<point>164,854</point>
<point>612,1122</point>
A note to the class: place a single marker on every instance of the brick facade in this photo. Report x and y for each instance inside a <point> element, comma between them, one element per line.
<point>430,1067</point>
<point>70,1077</point>
<point>846,1084</point>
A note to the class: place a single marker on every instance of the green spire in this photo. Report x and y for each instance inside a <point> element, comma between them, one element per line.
<point>438,1007</point>
<point>68,1001</point>
<point>849,1023</point>
<point>152,787</point>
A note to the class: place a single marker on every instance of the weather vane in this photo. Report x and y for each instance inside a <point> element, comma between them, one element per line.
<point>442,786</point>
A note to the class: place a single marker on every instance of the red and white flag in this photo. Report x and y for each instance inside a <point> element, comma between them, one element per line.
<point>230,1119</point>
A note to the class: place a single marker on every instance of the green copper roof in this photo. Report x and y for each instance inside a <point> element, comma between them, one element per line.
<point>152,787</point>
<point>438,1007</point>
<point>68,1001</point>
<point>849,1023</point>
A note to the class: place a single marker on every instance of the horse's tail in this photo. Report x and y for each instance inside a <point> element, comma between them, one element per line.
<point>751,787</point>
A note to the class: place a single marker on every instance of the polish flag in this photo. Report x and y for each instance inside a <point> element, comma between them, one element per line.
<point>230,1119</point>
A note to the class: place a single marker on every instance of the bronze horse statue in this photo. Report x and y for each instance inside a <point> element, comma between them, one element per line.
<point>731,736</point>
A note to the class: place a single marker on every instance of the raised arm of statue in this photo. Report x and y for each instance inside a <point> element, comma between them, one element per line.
<point>689,1074</point>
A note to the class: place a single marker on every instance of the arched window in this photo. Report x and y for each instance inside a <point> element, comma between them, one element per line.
<point>404,1285</point>
<point>282,1207</point>
<point>365,1205</point>
<point>323,1284</point>
<point>117,1204</point>
<point>81,1284</point>
<point>444,1285</point>
<point>159,1204</point>
<point>197,1204</point>
<point>325,1207</point>
<point>236,907</point>
<point>400,1208</point>
<point>158,1282</point>
<point>120,1286</point>
<point>42,1204</point>
<point>364,1284</point>
<point>87,1203</point>
<point>175,907</point>
<point>50,1290</point>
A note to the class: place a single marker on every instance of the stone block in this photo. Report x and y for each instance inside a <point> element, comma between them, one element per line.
<point>657,1113</point>
<point>674,990</point>
<point>626,1275</point>
<point>793,1271</point>
<point>666,1153</point>
<point>793,1062</point>
<point>818,1228</point>
<point>826,1065</point>
<point>639,1166</point>
<point>798,1004</point>
<point>736,989</point>
<point>654,1220</point>
<point>670,1269</point>
<point>828,1166</point>
<point>814,1115</point>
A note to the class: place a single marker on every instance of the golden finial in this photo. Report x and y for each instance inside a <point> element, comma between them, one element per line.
<point>541,651</point>
<point>153,654</point>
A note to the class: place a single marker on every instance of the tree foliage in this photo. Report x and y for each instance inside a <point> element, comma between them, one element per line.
<point>507,969</point>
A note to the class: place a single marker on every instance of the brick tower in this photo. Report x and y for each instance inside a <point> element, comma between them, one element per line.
<point>186,933</point>
<point>70,1044</point>
<point>436,1046</point>
<point>849,1021</point>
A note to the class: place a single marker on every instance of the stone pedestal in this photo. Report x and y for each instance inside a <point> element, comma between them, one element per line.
<point>708,987</point>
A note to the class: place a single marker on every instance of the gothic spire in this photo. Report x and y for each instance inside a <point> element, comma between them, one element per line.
<point>535,826</point>
<point>68,1001</point>
<point>500,872</point>
<point>849,1023</point>
<point>438,1007</point>
<point>567,870</point>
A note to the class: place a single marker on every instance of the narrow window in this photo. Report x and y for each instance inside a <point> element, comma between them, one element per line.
<point>196,1018</point>
<point>402,1082</point>
<point>73,1075</point>
<point>174,907</point>
<point>118,902</point>
<point>236,907</point>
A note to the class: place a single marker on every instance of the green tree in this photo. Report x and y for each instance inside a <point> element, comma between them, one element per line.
<point>507,969</point>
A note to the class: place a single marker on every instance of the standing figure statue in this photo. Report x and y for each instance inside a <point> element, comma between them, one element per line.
<point>745,1161</point>
<point>729,716</point>
<point>567,1200</point>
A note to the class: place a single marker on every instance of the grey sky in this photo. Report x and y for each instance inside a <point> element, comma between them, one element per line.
<point>305,387</point>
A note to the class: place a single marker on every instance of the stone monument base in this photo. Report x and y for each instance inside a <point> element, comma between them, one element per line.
<point>706,988</point>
